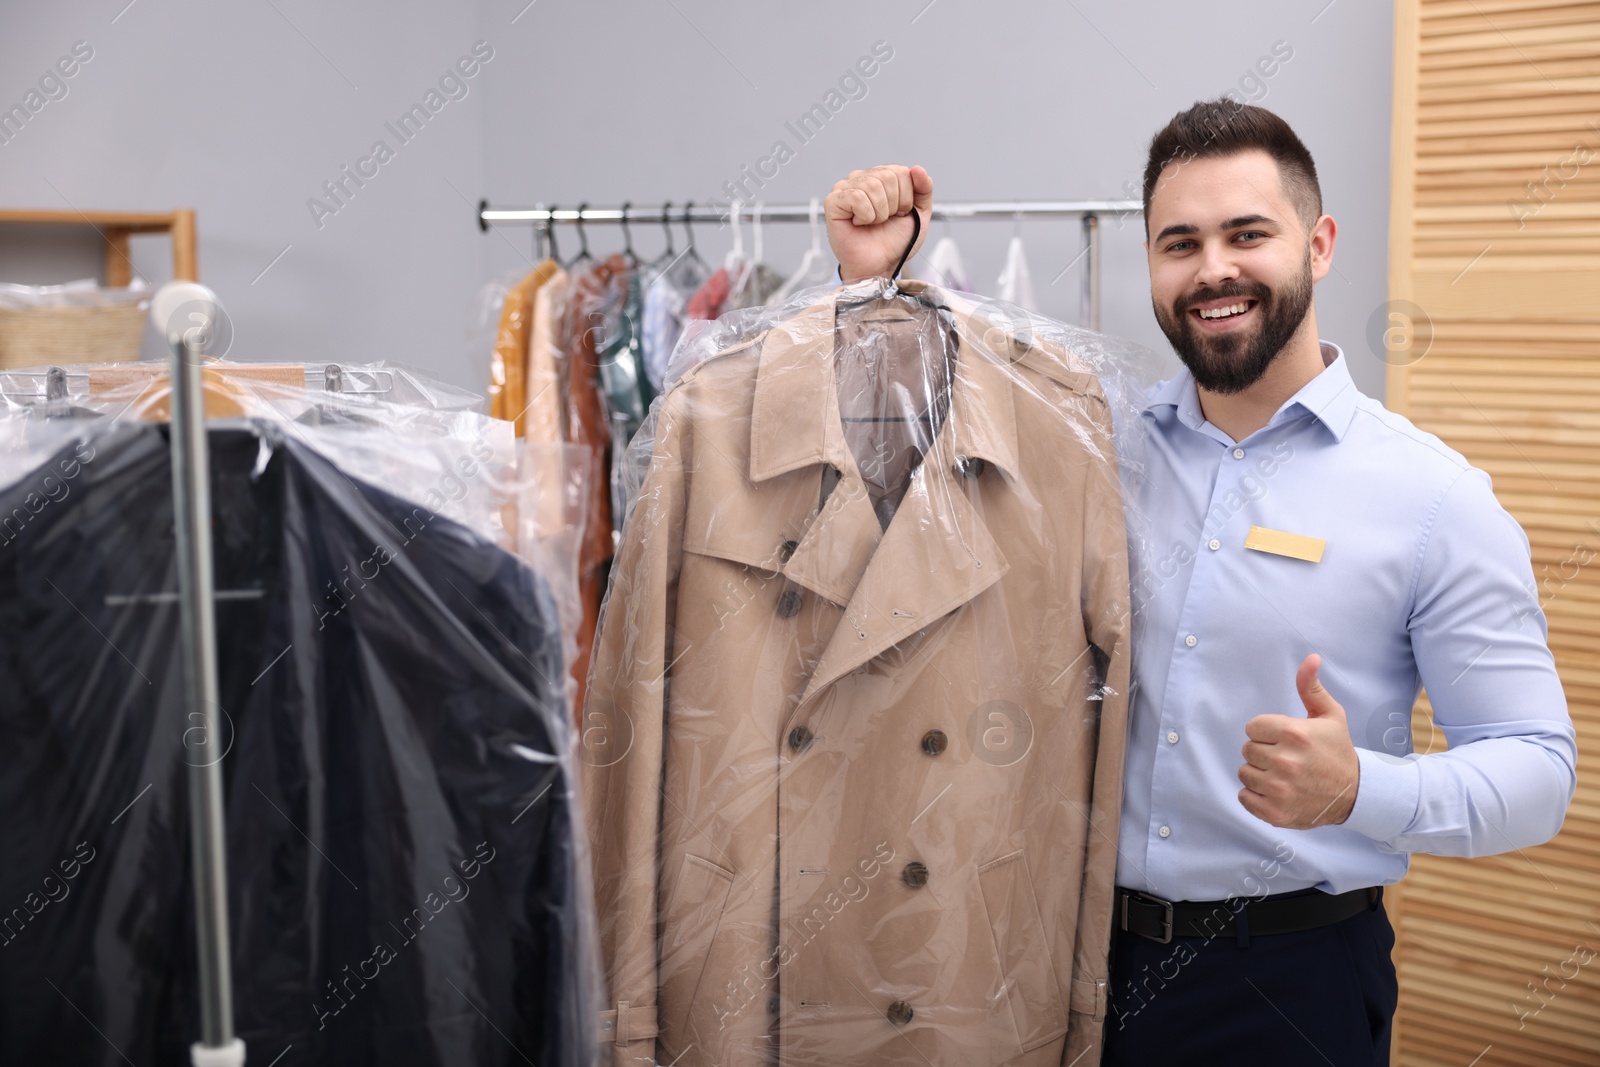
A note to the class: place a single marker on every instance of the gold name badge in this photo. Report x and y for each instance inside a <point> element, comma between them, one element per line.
<point>1279,543</point>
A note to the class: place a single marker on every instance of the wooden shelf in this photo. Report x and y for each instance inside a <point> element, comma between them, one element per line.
<point>115,227</point>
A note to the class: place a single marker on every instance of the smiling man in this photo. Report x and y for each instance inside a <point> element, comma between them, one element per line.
<point>1293,532</point>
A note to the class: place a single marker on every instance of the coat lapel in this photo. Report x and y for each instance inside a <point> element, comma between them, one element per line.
<point>794,424</point>
<point>937,553</point>
<point>936,556</point>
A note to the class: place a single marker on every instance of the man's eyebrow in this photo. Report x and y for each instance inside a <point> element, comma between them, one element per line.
<point>1185,229</point>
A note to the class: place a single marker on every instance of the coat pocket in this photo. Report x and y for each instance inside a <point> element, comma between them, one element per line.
<point>1022,952</point>
<point>694,904</point>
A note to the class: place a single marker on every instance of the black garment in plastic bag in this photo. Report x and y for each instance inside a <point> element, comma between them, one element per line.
<point>402,854</point>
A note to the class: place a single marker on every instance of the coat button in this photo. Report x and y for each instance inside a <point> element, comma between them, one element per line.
<point>915,875</point>
<point>971,466</point>
<point>934,742</point>
<point>900,1013</point>
<point>789,603</point>
<point>786,550</point>
<point>800,738</point>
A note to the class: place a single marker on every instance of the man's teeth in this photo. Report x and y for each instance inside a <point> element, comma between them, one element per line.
<point>1218,313</point>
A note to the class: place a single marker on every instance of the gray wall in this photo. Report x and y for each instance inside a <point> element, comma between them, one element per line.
<point>244,111</point>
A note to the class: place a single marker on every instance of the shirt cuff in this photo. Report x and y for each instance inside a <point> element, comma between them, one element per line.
<point>1386,796</point>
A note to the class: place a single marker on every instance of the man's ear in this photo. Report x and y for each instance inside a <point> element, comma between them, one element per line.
<point>1324,232</point>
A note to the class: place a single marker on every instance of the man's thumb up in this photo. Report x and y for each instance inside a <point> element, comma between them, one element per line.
<point>1318,701</point>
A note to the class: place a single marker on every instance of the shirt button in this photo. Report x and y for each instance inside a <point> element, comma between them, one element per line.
<point>1191,640</point>
<point>915,875</point>
<point>786,550</point>
<point>1238,453</point>
<point>934,742</point>
<point>789,603</point>
<point>900,1013</point>
<point>1214,544</point>
<point>1172,737</point>
<point>1165,831</point>
<point>800,738</point>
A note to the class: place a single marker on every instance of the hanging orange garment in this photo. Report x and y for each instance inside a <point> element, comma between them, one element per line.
<point>508,390</point>
<point>592,295</point>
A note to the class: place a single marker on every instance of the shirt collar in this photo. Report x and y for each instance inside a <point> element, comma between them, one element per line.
<point>1331,396</point>
<point>795,416</point>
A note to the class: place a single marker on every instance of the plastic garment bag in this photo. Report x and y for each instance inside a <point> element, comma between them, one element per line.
<point>755,282</point>
<point>815,267</point>
<point>666,299</point>
<point>945,266</point>
<point>1016,281</point>
<point>512,392</point>
<point>385,424</point>
<point>855,731</point>
<point>407,878</point>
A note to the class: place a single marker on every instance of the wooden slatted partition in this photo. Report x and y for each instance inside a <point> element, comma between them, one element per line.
<point>1495,236</point>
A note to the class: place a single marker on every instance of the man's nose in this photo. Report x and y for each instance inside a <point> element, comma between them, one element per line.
<point>1216,265</point>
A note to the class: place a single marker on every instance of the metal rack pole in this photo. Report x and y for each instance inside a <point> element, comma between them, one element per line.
<point>1088,211</point>
<point>976,209</point>
<point>191,500</point>
<point>1091,272</point>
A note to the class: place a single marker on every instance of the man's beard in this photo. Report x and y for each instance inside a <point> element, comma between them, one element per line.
<point>1232,362</point>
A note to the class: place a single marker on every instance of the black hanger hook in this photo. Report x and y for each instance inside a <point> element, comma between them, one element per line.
<point>583,238</point>
<point>627,235</point>
<point>688,206</point>
<point>666,208</point>
<point>916,231</point>
<point>550,234</point>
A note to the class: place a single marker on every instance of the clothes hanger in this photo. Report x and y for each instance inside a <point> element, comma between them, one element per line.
<point>735,259</point>
<point>811,271</point>
<point>1016,281</point>
<point>755,235</point>
<point>929,416</point>
<point>748,267</point>
<point>627,237</point>
<point>891,285</point>
<point>667,255</point>
<point>583,240</point>
<point>944,264</point>
<point>550,236</point>
<point>688,230</point>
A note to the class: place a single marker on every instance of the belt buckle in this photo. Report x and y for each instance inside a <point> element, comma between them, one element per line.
<point>1166,920</point>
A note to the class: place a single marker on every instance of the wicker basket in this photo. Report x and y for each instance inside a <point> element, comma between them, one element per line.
<point>50,336</point>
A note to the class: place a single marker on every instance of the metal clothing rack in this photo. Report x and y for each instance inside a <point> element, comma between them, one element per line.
<point>195,393</point>
<point>1087,211</point>
<point>218,1046</point>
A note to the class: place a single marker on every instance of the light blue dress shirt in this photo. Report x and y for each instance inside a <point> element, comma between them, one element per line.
<point>1425,581</point>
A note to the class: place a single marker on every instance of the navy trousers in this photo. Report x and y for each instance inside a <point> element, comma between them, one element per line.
<point>1322,996</point>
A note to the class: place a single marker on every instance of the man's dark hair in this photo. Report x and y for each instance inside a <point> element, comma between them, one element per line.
<point>1227,127</point>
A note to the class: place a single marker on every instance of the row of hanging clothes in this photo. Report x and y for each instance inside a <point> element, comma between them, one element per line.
<point>408,879</point>
<point>944,266</point>
<point>579,348</point>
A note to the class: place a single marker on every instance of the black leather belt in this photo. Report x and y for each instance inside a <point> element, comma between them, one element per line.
<point>1286,913</point>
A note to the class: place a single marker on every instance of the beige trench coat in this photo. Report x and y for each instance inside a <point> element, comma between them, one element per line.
<point>853,793</point>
